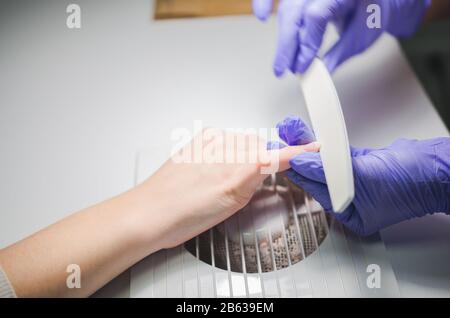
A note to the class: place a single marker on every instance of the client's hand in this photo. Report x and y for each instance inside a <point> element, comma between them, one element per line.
<point>210,179</point>
<point>195,191</point>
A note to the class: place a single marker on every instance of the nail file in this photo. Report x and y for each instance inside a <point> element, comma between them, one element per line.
<point>327,120</point>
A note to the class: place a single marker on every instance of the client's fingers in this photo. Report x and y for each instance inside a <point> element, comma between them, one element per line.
<point>280,157</point>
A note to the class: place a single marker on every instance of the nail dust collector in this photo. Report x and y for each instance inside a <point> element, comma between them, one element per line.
<point>282,244</point>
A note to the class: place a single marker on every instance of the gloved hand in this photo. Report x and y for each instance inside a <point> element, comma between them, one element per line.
<point>407,179</point>
<point>302,24</point>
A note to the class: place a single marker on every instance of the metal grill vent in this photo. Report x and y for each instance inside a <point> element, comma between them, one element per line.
<point>280,226</point>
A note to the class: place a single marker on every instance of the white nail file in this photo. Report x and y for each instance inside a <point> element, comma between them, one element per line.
<point>327,120</point>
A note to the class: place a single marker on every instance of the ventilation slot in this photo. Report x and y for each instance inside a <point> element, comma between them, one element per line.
<point>280,226</point>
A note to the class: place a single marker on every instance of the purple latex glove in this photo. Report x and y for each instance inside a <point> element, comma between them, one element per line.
<point>302,24</point>
<point>408,179</point>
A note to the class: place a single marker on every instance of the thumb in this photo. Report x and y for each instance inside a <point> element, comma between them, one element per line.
<point>316,16</point>
<point>309,165</point>
<point>340,52</point>
<point>354,39</point>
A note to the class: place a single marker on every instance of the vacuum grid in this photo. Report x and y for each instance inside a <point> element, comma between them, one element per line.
<point>280,226</point>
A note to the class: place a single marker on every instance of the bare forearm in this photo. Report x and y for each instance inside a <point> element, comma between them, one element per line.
<point>179,201</point>
<point>103,241</point>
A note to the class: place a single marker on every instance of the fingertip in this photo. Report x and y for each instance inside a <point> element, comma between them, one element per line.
<point>261,16</point>
<point>278,70</point>
<point>330,64</point>
<point>262,9</point>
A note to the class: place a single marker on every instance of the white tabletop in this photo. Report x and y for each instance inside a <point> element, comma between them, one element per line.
<point>76,106</point>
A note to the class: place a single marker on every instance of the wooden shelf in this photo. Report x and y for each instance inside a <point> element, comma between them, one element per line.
<point>171,9</point>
